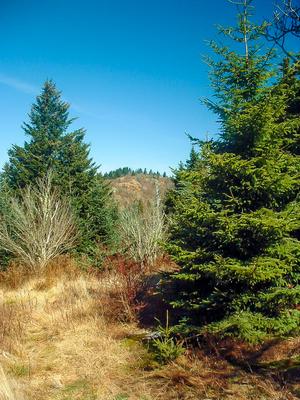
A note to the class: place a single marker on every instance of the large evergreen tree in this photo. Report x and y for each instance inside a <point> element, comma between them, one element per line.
<point>236,228</point>
<point>52,147</point>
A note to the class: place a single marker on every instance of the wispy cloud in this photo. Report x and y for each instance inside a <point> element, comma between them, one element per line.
<point>17,84</point>
<point>25,87</point>
<point>79,109</point>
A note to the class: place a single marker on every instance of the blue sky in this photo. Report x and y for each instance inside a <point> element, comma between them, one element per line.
<point>131,70</point>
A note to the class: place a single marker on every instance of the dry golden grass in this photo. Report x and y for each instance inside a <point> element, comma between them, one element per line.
<point>61,338</point>
<point>58,340</point>
<point>8,389</point>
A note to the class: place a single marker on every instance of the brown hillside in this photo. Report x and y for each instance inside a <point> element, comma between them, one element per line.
<point>128,189</point>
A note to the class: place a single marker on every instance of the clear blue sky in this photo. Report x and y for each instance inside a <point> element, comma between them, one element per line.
<point>131,69</point>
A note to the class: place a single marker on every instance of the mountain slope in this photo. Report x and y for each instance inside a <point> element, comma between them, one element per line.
<point>130,188</point>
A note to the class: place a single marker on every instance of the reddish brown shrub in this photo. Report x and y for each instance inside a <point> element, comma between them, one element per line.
<point>130,284</point>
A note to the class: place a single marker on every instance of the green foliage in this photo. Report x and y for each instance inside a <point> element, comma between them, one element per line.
<point>256,327</point>
<point>191,163</point>
<point>235,228</point>
<point>165,347</point>
<point>79,389</point>
<point>19,370</point>
<point>52,147</point>
<point>5,212</point>
<point>117,173</point>
<point>121,397</point>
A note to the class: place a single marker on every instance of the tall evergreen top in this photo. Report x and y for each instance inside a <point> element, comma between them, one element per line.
<point>50,145</point>
<point>239,77</point>
<point>49,115</point>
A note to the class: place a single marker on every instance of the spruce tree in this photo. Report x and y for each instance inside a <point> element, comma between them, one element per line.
<point>235,229</point>
<point>193,159</point>
<point>52,147</point>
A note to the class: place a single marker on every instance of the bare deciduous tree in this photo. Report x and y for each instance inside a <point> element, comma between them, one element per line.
<point>286,22</point>
<point>143,230</point>
<point>39,225</point>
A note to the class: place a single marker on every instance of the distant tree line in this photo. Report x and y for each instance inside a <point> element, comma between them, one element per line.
<point>124,171</point>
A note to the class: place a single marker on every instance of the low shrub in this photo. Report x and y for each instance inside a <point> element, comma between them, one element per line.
<point>142,230</point>
<point>38,225</point>
<point>130,279</point>
<point>164,345</point>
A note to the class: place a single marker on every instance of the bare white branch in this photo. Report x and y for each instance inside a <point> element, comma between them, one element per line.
<point>143,230</point>
<point>39,226</point>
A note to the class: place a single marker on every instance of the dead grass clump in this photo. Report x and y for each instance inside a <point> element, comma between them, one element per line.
<point>74,301</point>
<point>194,377</point>
<point>14,314</point>
<point>266,388</point>
<point>281,350</point>
<point>15,275</point>
<point>61,266</point>
<point>214,378</point>
<point>7,388</point>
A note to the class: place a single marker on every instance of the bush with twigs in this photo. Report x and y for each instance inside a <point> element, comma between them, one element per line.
<point>142,230</point>
<point>38,225</point>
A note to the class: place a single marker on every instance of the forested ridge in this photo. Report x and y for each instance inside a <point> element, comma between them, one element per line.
<point>130,285</point>
<point>124,171</point>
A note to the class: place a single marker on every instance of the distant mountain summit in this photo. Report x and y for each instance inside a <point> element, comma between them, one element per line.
<point>140,187</point>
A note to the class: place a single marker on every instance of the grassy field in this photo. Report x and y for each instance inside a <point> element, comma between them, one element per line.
<point>67,336</point>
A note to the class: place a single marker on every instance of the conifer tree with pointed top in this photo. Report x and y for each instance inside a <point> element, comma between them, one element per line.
<point>50,146</point>
<point>192,161</point>
<point>235,229</point>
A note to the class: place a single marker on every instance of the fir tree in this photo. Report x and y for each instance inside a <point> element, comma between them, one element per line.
<point>192,161</point>
<point>52,147</point>
<point>236,226</point>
